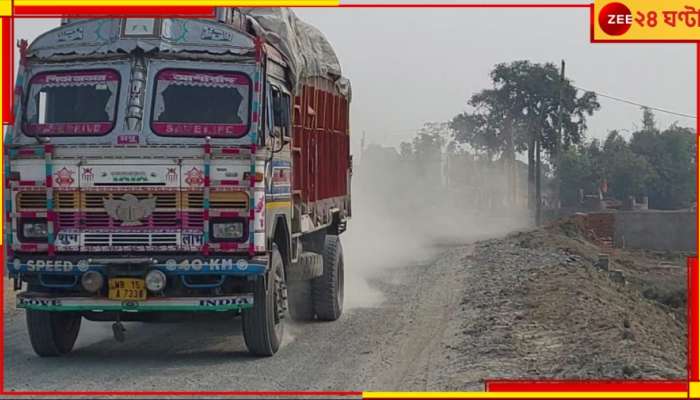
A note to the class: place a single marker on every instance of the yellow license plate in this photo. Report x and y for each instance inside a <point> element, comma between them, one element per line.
<point>127,289</point>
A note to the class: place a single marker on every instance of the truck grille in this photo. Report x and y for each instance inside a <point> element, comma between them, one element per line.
<point>174,210</point>
<point>92,200</point>
<point>218,200</point>
<point>31,200</point>
<point>158,219</point>
<point>131,239</point>
<point>95,216</point>
<point>37,200</point>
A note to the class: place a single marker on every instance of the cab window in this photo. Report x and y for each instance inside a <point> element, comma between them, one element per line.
<point>71,103</point>
<point>192,103</point>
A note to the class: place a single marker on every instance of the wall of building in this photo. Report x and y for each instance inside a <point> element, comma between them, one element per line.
<point>656,230</point>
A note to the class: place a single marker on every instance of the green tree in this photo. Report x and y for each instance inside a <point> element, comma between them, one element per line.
<point>524,103</point>
<point>648,120</point>
<point>576,173</point>
<point>657,164</point>
<point>627,173</point>
<point>672,155</point>
<point>675,166</point>
<point>522,108</point>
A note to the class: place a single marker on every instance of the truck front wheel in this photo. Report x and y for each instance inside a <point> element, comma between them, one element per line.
<point>327,289</point>
<point>52,334</point>
<point>263,325</point>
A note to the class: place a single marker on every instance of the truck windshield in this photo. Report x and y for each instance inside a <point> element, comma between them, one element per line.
<point>201,103</point>
<point>72,103</point>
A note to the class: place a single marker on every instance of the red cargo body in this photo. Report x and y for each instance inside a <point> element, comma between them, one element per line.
<point>321,142</point>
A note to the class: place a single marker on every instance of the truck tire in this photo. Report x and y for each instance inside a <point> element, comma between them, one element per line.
<point>301,307</point>
<point>52,334</point>
<point>263,325</point>
<point>327,290</point>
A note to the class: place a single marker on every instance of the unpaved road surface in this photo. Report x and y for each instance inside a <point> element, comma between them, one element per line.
<point>531,305</point>
<point>386,346</point>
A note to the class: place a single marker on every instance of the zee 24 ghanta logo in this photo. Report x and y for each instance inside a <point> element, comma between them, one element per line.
<point>616,19</point>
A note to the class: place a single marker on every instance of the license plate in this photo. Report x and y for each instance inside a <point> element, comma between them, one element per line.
<point>127,289</point>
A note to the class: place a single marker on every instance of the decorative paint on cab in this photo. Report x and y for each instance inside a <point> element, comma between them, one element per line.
<point>194,177</point>
<point>64,177</point>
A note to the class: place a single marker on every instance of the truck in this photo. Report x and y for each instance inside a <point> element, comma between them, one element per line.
<point>160,168</point>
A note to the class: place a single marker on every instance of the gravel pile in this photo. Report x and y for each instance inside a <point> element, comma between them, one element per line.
<point>540,304</point>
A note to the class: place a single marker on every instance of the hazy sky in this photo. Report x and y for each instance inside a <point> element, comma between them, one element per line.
<point>410,66</point>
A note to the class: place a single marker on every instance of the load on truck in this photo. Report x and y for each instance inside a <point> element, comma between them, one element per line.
<point>164,166</point>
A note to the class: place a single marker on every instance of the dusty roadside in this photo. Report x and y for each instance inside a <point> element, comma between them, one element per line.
<point>529,305</point>
<point>538,305</point>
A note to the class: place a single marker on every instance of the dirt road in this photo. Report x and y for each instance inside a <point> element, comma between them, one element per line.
<point>531,305</point>
<point>387,346</point>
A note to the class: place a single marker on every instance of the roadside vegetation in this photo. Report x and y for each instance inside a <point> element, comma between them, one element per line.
<point>517,124</point>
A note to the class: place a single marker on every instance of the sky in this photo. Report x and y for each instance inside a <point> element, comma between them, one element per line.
<point>417,65</point>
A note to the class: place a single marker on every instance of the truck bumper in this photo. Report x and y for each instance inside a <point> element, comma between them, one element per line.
<point>44,302</point>
<point>229,265</point>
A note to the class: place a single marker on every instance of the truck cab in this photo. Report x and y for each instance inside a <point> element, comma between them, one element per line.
<point>165,166</point>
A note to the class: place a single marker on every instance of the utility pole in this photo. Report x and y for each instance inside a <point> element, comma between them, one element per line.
<point>511,193</point>
<point>538,184</point>
<point>560,136</point>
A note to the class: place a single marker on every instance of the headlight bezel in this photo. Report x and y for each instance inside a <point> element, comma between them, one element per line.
<point>214,222</point>
<point>22,233</point>
<point>161,277</point>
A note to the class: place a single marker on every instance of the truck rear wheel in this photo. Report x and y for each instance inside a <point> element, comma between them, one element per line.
<point>52,334</point>
<point>327,290</point>
<point>301,307</point>
<point>263,325</point>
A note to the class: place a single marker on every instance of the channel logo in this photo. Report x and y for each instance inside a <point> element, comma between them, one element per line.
<point>615,19</point>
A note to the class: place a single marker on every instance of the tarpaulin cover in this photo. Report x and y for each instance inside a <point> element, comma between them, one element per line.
<point>309,52</point>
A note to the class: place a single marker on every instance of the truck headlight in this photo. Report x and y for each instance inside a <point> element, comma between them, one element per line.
<point>155,280</point>
<point>92,281</point>
<point>227,230</point>
<point>34,230</point>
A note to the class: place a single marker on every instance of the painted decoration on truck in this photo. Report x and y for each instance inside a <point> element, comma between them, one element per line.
<point>171,175</point>
<point>129,173</point>
<point>194,177</point>
<point>281,183</point>
<point>64,177</point>
<point>129,209</point>
<point>193,103</point>
<point>87,175</point>
<point>75,103</point>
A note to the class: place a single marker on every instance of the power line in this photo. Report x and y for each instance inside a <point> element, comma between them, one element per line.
<point>607,96</point>
<point>638,104</point>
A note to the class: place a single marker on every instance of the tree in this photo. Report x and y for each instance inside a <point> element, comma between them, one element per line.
<point>582,167</point>
<point>675,166</point>
<point>406,150</point>
<point>648,120</point>
<point>576,173</point>
<point>428,143</point>
<point>646,141</point>
<point>657,164</point>
<point>671,154</point>
<point>522,109</point>
<point>526,94</point>
<point>476,131</point>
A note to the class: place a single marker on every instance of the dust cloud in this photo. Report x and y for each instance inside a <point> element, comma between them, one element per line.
<point>406,210</point>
